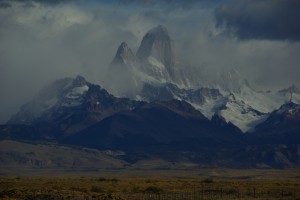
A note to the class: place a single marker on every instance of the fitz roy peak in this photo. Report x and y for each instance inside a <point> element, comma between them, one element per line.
<point>157,43</point>
<point>155,60</point>
<point>157,51</point>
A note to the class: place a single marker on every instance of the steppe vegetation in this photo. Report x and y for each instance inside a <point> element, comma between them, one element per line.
<point>125,188</point>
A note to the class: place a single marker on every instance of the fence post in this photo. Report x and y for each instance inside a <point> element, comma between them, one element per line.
<point>221,193</point>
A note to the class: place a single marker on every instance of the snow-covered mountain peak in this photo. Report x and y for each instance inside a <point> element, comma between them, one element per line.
<point>158,44</point>
<point>239,113</point>
<point>62,93</point>
<point>154,75</point>
<point>154,61</point>
<point>75,88</point>
<point>67,87</point>
<point>124,55</point>
<point>290,108</point>
<point>70,104</point>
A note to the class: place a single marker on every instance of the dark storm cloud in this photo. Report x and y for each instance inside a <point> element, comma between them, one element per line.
<point>151,2</point>
<point>39,1</point>
<point>166,3</point>
<point>4,5</point>
<point>169,4</point>
<point>261,19</point>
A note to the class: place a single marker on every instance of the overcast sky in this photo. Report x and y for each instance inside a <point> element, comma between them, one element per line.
<point>45,40</point>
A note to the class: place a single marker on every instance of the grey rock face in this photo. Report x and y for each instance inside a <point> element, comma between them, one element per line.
<point>124,55</point>
<point>158,44</point>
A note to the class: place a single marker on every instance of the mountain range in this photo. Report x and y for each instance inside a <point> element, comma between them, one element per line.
<point>158,111</point>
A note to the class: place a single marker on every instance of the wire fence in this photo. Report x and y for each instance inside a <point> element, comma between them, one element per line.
<point>214,194</point>
<point>204,194</point>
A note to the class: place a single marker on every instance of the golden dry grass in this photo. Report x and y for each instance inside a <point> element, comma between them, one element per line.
<point>147,188</point>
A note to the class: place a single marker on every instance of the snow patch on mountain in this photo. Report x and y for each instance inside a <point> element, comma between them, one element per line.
<point>296,98</point>
<point>209,106</point>
<point>71,104</point>
<point>74,95</point>
<point>290,108</point>
<point>240,114</point>
<point>65,92</point>
<point>156,69</point>
<point>267,101</point>
<point>77,92</point>
<point>154,62</point>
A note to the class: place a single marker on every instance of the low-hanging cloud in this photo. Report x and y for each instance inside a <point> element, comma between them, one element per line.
<point>43,41</point>
<point>261,19</point>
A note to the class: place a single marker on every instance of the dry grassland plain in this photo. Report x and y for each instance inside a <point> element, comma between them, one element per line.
<point>154,184</point>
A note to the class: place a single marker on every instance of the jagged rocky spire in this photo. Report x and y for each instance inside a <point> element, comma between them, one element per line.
<point>154,60</point>
<point>158,44</point>
<point>124,55</point>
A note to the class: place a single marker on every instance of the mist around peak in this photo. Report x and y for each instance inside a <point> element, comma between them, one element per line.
<point>42,41</point>
<point>156,61</point>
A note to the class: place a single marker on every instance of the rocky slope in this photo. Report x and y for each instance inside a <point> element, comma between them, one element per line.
<point>70,105</point>
<point>165,126</point>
